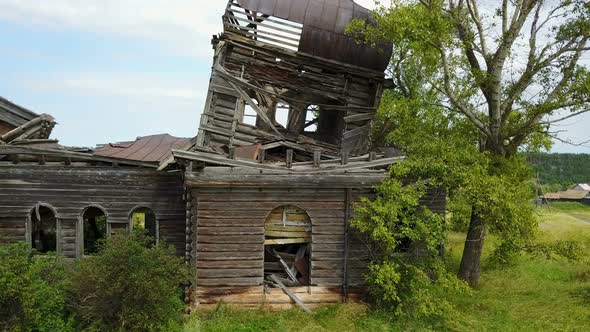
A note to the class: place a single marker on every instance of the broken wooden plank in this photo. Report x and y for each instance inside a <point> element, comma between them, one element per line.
<point>284,265</point>
<point>291,295</point>
<point>286,241</point>
<point>221,160</point>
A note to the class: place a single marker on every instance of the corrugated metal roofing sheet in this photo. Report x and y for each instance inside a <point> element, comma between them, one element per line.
<point>324,23</point>
<point>155,148</point>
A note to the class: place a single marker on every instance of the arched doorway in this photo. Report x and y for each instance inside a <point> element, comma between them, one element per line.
<point>144,220</point>
<point>43,229</point>
<point>94,229</point>
<point>287,250</point>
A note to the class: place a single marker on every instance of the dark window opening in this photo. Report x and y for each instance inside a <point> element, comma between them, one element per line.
<point>287,248</point>
<point>44,230</point>
<point>143,220</point>
<point>95,229</point>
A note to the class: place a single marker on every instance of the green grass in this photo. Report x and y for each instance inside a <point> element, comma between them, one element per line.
<point>534,294</point>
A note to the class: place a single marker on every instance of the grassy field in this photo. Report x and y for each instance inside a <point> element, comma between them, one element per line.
<point>535,294</point>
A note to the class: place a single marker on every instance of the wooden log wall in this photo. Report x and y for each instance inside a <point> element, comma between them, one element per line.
<point>69,190</point>
<point>313,82</point>
<point>229,236</point>
<point>229,253</point>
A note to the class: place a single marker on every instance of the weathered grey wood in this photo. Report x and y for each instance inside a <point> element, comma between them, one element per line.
<point>286,180</point>
<point>317,157</point>
<point>71,189</point>
<point>289,160</point>
<point>348,202</point>
<point>291,295</point>
<point>24,150</point>
<point>220,160</point>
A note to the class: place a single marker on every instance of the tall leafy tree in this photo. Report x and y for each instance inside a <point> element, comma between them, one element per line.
<point>505,71</point>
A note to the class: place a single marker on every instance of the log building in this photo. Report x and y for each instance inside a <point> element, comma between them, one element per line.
<point>260,201</point>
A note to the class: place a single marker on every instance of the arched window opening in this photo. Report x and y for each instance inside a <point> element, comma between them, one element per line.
<point>287,249</point>
<point>144,220</point>
<point>43,230</point>
<point>95,229</point>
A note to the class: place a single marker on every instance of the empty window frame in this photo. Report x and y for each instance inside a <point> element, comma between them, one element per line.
<point>144,220</point>
<point>287,249</point>
<point>282,114</point>
<point>250,114</point>
<point>44,229</point>
<point>94,229</point>
<point>311,119</point>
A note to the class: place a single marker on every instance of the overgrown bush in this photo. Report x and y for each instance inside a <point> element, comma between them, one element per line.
<point>130,285</point>
<point>32,291</point>
<point>406,276</point>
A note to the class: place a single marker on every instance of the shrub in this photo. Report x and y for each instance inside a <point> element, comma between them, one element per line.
<point>32,291</point>
<point>129,285</point>
<point>406,275</point>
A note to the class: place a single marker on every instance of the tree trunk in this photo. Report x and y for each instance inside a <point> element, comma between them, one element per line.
<point>470,263</point>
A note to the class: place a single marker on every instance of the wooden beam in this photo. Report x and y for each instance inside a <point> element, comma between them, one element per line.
<point>227,179</point>
<point>16,132</point>
<point>231,81</point>
<point>347,213</point>
<point>290,294</point>
<point>25,150</point>
<point>372,155</point>
<point>222,160</point>
<point>289,159</point>
<point>285,241</point>
<point>317,158</point>
<point>344,157</point>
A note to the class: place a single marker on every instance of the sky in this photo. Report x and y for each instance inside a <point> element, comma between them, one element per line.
<point>113,70</point>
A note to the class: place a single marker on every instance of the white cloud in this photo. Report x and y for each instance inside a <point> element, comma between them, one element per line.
<point>130,85</point>
<point>185,26</point>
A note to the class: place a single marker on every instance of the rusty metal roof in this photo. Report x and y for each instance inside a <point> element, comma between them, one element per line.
<point>324,23</point>
<point>155,148</point>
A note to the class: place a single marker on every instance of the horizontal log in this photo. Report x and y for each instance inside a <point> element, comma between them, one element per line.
<point>229,264</point>
<point>229,256</point>
<point>252,281</point>
<point>230,231</point>
<point>252,239</point>
<point>285,241</point>
<point>230,247</point>
<point>229,273</point>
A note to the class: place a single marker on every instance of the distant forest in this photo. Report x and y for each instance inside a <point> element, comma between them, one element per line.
<point>560,169</point>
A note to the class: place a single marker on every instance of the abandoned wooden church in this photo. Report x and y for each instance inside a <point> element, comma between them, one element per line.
<point>259,202</point>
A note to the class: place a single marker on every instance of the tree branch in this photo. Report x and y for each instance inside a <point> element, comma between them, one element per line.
<point>565,117</point>
<point>455,101</point>
<point>472,6</point>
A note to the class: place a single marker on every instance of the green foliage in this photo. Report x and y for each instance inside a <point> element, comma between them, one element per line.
<point>532,294</point>
<point>560,170</point>
<point>32,291</point>
<point>406,277</point>
<point>128,285</point>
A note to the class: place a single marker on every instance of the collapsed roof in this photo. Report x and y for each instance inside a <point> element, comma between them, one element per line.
<point>19,125</point>
<point>323,25</point>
